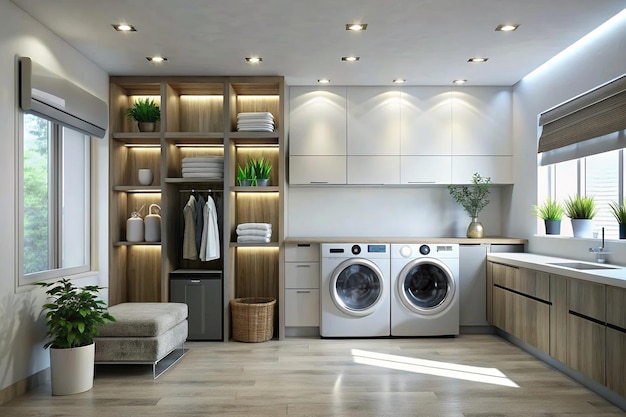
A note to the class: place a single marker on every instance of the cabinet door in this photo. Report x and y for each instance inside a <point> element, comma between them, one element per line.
<point>426,121</point>
<point>616,360</point>
<point>317,170</point>
<point>425,169</point>
<point>472,282</point>
<point>616,306</point>
<point>302,307</point>
<point>482,121</point>
<point>373,121</point>
<point>586,347</point>
<point>317,121</point>
<point>587,299</point>
<point>531,321</point>
<point>558,318</point>
<point>499,168</point>
<point>302,275</point>
<point>373,169</point>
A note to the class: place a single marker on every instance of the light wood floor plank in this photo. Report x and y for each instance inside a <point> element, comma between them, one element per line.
<point>343,377</point>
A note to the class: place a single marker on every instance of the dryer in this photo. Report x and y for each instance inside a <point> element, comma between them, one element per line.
<point>424,289</point>
<point>355,287</point>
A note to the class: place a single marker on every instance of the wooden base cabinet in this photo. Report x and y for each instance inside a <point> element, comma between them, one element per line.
<point>616,340</point>
<point>586,347</point>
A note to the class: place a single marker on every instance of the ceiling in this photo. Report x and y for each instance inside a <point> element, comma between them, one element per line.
<point>427,42</point>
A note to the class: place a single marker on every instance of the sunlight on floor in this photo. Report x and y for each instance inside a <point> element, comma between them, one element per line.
<point>422,366</point>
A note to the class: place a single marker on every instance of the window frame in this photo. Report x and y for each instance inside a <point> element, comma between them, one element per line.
<point>55,200</point>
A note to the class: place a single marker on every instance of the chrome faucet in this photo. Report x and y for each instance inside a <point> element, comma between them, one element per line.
<point>600,252</point>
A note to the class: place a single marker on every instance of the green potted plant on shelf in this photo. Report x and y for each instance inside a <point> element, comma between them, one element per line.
<point>619,212</point>
<point>473,199</point>
<point>146,113</point>
<point>581,211</point>
<point>551,211</point>
<point>246,175</point>
<point>262,169</point>
<point>73,317</point>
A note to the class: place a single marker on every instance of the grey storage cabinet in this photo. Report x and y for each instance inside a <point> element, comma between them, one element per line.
<point>202,292</point>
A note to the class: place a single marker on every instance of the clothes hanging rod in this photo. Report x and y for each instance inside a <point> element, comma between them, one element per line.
<point>193,190</point>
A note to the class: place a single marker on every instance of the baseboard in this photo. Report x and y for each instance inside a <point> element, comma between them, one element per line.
<point>22,387</point>
<point>477,330</point>
<point>302,332</point>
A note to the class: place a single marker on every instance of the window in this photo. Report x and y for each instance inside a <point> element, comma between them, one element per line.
<point>55,201</point>
<point>595,175</point>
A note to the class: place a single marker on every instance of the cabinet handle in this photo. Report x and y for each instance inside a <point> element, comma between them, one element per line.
<point>195,281</point>
<point>422,182</point>
<point>303,266</point>
<point>303,292</point>
<point>318,182</point>
<point>304,245</point>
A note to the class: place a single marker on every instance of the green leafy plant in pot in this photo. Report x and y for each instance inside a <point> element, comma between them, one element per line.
<point>146,113</point>
<point>473,199</point>
<point>581,211</point>
<point>619,212</point>
<point>73,316</point>
<point>551,211</point>
<point>262,169</point>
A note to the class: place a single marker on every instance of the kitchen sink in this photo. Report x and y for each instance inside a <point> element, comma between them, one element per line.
<point>582,265</point>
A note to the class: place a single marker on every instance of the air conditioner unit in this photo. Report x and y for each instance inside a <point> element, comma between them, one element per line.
<point>53,97</point>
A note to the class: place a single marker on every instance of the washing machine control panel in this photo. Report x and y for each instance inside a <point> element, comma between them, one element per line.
<point>356,249</point>
<point>424,249</point>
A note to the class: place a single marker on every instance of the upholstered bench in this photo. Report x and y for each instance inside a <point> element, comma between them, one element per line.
<point>144,333</point>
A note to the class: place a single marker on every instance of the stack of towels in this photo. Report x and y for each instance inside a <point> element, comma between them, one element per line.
<point>255,122</point>
<point>211,167</point>
<point>254,233</point>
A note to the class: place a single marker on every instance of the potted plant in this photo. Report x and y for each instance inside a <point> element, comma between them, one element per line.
<point>619,212</point>
<point>581,210</point>
<point>551,211</point>
<point>473,198</point>
<point>146,113</point>
<point>262,169</point>
<point>245,175</point>
<point>73,316</point>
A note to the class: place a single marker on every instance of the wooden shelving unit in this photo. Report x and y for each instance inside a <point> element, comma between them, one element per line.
<point>198,117</point>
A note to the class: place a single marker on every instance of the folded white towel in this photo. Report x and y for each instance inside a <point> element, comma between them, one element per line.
<point>260,226</point>
<point>255,129</point>
<point>253,121</point>
<point>203,159</point>
<point>253,239</point>
<point>254,232</point>
<point>203,164</point>
<point>211,169</point>
<point>253,115</point>
<point>209,175</point>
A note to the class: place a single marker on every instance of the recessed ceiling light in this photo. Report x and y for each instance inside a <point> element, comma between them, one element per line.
<point>156,58</point>
<point>123,27</point>
<point>478,60</point>
<point>323,81</point>
<point>509,27</point>
<point>350,58</point>
<point>459,82</point>
<point>356,27</point>
<point>254,59</point>
<point>399,81</point>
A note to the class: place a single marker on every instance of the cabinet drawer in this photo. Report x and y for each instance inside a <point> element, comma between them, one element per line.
<point>302,252</point>
<point>302,308</point>
<point>587,298</point>
<point>302,275</point>
<point>616,306</point>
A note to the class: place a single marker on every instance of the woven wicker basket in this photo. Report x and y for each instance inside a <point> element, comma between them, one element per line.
<point>253,318</point>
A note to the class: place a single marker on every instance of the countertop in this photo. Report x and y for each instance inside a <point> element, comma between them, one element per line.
<point>495,240</point>
<point>614,277</point>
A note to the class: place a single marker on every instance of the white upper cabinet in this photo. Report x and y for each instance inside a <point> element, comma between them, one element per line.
<point>317,121</point>
<point>373,121</point>
<point>482,121</point>
<point>374,170</point>
<point>426,121</point>
<point>317,169</point>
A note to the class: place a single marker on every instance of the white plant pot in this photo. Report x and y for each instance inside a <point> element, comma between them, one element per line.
<point>72,369</point>
<point>582,228</point>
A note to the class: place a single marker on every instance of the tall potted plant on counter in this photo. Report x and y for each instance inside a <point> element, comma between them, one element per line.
<point>581,211</point>
<point>551,211</point>
<point>619,212</point>
<point>473,198</point>
<point>73,316</point>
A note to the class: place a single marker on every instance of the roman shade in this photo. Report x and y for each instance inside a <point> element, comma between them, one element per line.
<point>598,113</point>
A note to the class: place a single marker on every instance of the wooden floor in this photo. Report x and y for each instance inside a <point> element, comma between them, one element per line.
<point>469,376</point>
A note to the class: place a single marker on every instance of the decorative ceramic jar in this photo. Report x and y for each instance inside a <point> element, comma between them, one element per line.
<point>145,176</point>
<point>134,228</point>
<point>152,223</point>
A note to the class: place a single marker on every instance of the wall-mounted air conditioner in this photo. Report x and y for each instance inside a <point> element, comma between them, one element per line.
<point>51,96</point>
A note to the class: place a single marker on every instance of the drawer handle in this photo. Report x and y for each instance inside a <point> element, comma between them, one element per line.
<point>195,281</point>
<point>303,266</point>
<point>304,245</point>
<point>318,182</point>
<point>303,292</point>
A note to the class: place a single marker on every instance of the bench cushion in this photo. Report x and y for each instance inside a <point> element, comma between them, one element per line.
<point>143,319</point>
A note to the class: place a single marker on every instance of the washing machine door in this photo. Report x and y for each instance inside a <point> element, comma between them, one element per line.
<point>426,286</point>
<point>357,287</point>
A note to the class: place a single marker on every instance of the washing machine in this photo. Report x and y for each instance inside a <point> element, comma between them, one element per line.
<point>424,290</point>
<point>355,287</point>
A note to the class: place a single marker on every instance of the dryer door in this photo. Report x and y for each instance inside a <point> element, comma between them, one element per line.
<point>426,286</point>
<point>357,287</point>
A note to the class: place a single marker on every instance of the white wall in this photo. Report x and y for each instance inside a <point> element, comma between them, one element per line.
<point>597,58</point>
<point>21,326</point>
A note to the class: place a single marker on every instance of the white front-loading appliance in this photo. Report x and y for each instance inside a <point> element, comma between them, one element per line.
<point>355,287</point>
<point>424,289</point>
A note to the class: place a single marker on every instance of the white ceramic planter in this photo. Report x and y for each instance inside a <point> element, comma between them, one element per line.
<point>72,369</point>
<point>582,228</point>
